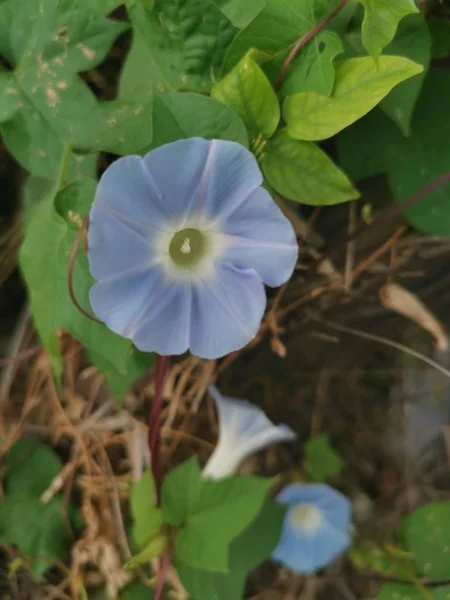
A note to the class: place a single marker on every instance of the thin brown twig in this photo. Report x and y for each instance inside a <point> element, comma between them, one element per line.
<point>72,258</point>
<point>305,39</point>
<point>391,241</point>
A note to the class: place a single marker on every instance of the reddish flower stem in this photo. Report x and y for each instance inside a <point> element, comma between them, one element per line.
<point>305,39</point>
<point>162,574</point>
<point>154,422</point>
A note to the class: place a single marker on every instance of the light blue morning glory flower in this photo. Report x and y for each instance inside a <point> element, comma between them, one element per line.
<point>181,242</point>
<point>243,430</point>
<point>316,527</point>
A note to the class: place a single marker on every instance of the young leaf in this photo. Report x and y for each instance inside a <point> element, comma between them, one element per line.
<point>360,85</point>
<point>276,28</point>
<point>48,43</point>
<point>210,513</point>
<point>176,48</point>
<point>246,552</point>
<point>301,171</point>
<point>409,168</point>
<point>426,533</point>
<point>312,69</point>
<point>248,92</point>
<point>413,40</point>
<point>44,260</point>
<point>323,461</point>
<point>380,23</point>
<point>147,518</point>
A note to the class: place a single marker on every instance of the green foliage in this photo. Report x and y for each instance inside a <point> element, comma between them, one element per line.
<point>426,533</point>
<point>246,552</point>
<point>413,41</point>
<point>313,68</point>
<point>147,518</point>
<point>411,163</point>
<point>247,91</point>
<point>38,529</point>
<point>184,115</point>
<point>47,44</point>
<point>360,85</point>
<point>301,171</point>
<point>44,260</point>
<point>440,37</point>
<point>240,13</point>
<point>176,47</point>
<point>381,20</point>
<point>209,514</point>
<point>401,591</point>
<point>323,461</point>
<point>137,591</point>
<point>276,28</point>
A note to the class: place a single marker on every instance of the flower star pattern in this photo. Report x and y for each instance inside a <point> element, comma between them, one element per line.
<point>316,527</point>
<point>243,430</point>
<point>181,242</point>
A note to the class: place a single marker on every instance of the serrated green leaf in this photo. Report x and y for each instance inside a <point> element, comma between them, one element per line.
<point>276,28</point>
<point>413,41</point>
<point>401,591</point>
<point>122,126</point>
<point>411,163</point>
<point>313,68</point>
<point>210,513</point>
<point>323,461</point>
<point>176,46</point>
<point>381,20</point>
<point>185,115</point>
<point>44,261</point>
<point>426,533</point>
<point>47,44</point>
<point>360,85</point>
<point>240,13</point>
<point>301,171</point>
<point>248,92</point>
<point>147,518</point>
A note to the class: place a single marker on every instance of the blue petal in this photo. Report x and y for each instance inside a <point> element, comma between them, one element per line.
<point>226,311</point>
<point>165,328</point>
<point>143,306</point>
<point>121,301</point>
<point>177,169</point>
<point>261,237</point>
<point>127,191</point>
<point>114,246</point>
<point>305,553</point>
<point>230,175</point>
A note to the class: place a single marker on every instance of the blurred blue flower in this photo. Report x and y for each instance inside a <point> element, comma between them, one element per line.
<point>181,242</point>
<point>316,527</point>
<point>243,430</point>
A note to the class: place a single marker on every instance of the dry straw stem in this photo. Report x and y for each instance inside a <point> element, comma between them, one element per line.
<point>404,302</point>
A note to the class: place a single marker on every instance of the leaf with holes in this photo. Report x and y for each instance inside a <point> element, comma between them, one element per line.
<point>381,19</point>
<point>301,171</point>
<point>47,44</point>
<point>360,85</point>
<point>248,92</point>
<point>313,69</point>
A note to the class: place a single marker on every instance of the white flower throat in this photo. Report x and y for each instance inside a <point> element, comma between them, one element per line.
<point>186,246</point>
